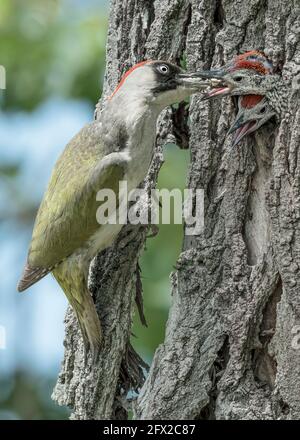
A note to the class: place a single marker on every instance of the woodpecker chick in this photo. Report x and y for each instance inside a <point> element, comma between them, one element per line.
<point>252,60</point>
<point>248,82</point>
<point>272,87</point>
<point>250,119</point>
<point>116,147</point>
<point>251,115</point>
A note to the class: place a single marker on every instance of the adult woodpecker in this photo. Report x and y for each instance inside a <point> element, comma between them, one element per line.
<point>118,146</point>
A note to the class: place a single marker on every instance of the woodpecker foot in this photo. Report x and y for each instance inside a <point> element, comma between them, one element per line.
<point>154,231</point>
<point>128,238</point>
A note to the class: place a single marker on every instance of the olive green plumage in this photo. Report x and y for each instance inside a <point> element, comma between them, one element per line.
<point>66,220</point>
<point>67,216</point>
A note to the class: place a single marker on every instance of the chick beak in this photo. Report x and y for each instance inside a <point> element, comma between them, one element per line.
<point>195,81</point>
<point>241,130</point>
<point>238,123</point>
<point>217,92</point>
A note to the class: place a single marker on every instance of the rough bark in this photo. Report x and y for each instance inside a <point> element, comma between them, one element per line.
<point>230,350</point>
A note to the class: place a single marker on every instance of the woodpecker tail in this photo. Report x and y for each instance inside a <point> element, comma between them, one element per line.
<point>89,325</point>
<point>30,276</point>
<point>75,289</point>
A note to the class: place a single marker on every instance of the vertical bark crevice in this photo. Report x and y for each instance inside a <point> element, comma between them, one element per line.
<point>139,296</point>
<point>264,363</point>
<point>256,229</point>
<point>219,15</point>
<point>181,56</point>
<point>180,112</point>
<point>216,372</point>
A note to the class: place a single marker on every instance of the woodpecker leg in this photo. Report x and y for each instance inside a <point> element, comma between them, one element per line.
<point>131,235</point>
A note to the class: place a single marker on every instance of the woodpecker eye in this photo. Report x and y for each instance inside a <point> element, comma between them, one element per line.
<point>238,78</point>
<point>163,68</point>
<point>263,110</point>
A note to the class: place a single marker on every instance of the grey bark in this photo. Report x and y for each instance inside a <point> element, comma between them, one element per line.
<point>231,349</point>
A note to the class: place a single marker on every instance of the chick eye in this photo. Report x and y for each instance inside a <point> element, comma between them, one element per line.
<point>262,110</point>
<point>238,78</point>
<point>163,68</point>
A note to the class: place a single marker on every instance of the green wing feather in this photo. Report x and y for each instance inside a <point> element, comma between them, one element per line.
<point>66,218</point>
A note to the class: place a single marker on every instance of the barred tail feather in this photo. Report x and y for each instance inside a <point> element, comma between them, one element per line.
<point>90,325</point>
<point>30,276</point>
<point>74,285</point>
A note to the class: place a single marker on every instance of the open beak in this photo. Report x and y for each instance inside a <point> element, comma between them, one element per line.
<point>238,123</point>
<point>217,92</point>
<point>194,81</point>
<point>219,88</point>
<point>241,130</point>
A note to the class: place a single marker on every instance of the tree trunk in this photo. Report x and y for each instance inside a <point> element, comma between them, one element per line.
<point>231,349</point>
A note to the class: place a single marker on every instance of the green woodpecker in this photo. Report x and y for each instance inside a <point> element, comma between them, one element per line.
<point>250,119</point>
<point>117,147</point>
<point>248,82</point>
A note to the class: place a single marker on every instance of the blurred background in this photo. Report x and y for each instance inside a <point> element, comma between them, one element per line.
<point>54,55</point>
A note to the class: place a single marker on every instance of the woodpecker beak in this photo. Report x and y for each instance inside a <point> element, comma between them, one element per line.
<point>214,73</point>
<point>219,88</point>
<point>194,81</point>
<point>241,130</point>
<point>236,125</point>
